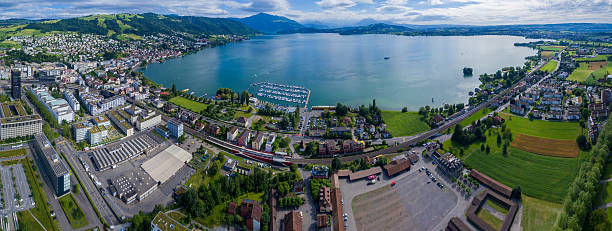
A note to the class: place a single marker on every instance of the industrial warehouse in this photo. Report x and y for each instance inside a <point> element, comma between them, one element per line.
<point>114,154</point>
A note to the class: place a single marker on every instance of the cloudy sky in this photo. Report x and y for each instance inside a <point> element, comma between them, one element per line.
<point>334,12</point>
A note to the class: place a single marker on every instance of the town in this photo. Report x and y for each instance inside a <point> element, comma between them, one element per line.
<point>88,142</point>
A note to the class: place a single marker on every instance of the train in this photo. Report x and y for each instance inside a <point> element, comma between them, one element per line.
<point>270,158</point>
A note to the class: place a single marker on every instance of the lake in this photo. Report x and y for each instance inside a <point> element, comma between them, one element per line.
<point>349,68</point>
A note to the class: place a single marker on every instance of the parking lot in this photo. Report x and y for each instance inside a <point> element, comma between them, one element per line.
<point>412,204</point>
<point>14,183</point>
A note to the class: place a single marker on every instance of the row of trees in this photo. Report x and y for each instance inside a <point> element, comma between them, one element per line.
<point>578,202</point>
<point>290,202</point>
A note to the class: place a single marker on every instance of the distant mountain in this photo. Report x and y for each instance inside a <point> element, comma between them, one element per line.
<point>16,21</point>
<point>144,24</point>
<point>269,24</point>
<point>574,31</point>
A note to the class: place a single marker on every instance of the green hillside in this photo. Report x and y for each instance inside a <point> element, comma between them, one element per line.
<point>142,24</point>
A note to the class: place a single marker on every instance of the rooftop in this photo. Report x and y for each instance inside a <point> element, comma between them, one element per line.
<point>166,223</point>
<point>58,166</point>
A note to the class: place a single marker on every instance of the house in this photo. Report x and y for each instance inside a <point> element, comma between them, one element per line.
<point>244,138</point>
<point>397,166</point>
<point>497,120</point>
<point>327,148</point>
<point>517,109</point>
<point>556,108</point>
<point>449,164</point>
<point>413,158</point>
<point>573,115</point>
<point>351,146</point>
<point>251,212</point>
<point>323,222</point>
<point>231,208</point>
<point>241,121</point>
<point>232,134</point>
<point>212,129</point>
<point>325,205</point>
<point>258,141</point>
<point>269,143</point>
<point>437,119</point>
<point>230,165</point>
<point>555,115</point>
<point>293,221</point>
<point>298,187</point>
<point>537,114</point>
<point>339,131</point>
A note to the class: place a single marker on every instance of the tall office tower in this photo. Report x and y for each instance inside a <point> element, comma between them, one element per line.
<point>16,84</point>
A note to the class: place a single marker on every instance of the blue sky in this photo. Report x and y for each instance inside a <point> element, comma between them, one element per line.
<point>334,12</point>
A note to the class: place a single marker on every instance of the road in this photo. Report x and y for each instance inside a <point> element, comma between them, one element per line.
<point>91,188</point>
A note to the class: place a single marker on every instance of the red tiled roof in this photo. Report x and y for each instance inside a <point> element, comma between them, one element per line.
<point>493,184</point>
<point>365,173</point>
<point>397,166</point>
<point>293,221</point>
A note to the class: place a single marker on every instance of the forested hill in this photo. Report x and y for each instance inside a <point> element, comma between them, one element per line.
<point>269,24</point>
<point>144,24</point>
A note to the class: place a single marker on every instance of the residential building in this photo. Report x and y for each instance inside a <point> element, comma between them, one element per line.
<point>96,134</point>
<point>244,122</point>
<point>148,120</point>
<point>251,212</point>
<point>257,141</point>
<point>232,134</point>
<point>163,222</point>
<point>81,130</point>
<point>449,164</point>
<point>53,166</point>
<point>325,205</point>
<point>244,138</point>
<point>212,129</point>
<point>293,221</point>
<point>176,127</point>
<point>59,108</point>
<point>72,101</point>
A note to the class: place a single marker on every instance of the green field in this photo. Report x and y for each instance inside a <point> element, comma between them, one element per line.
<point>581,73</point>
<point>11,153</point>
<point>497,206</point>
<point>551,48</point>
<point>71,208</point>
<point>596,58</point>
<point>404,123</point>
<point>607,172</point>
<point>550,66</point>
<point>476,116</point>
<point>542,177</point>
<point>542,128</point>
<point>538,214</point>
<point>188,104</point>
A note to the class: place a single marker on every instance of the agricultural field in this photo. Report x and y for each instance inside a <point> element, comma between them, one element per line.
<point>75,215</point>
<point>188,104</point>
<point>596,58</point>
<point>581,73</point>
<point>546,146</point>
<point>538,214</point>
<point>404,123</point>
<point>541,128</point>
<point>551,48</point>
<point>547,53</point>
<point>542,177</point>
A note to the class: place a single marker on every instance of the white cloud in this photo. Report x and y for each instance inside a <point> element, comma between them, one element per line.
<point>335,4</point>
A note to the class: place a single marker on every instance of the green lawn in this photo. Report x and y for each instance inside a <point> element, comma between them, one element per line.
<point>27,222</point>
<point>542,177</point>
<point>218,213</point>
<point>11,153</point>
<point>550,66</point>
<point>596,58</point>
<point>239,114</point>
<point>71,208</point>
<point>581,73</point>
<point>607,196</point>
<point>41,211</point>
<point>476,116</point>
<point>490,219</point>
<point>497,206</point>
<point>538,214</point>
<point>551,48</point>
<point>542,128</point>
<point>404,123</point>
<point>188,104</point>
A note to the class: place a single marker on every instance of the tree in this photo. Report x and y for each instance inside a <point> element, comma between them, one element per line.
<point>499,139</point>
<point>488,149</point>
<point>336,164</point>
<point>597,221</point>
<point>173,88</point>
<point>482,147</point>
<point>181,139</point>
<point>505,149</point>
<point>516,192</point>
<point>582,142</point>
<point>405,109</point>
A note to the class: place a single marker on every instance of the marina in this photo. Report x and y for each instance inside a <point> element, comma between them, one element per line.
<point>281,94</point>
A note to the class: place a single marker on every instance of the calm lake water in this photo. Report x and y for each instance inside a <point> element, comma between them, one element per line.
<point>348,69</point>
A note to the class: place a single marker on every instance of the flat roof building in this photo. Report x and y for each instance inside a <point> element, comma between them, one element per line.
<point>53,166</point>
<point>136,185</point>
<point>15,122</point>
<point>176,127</point>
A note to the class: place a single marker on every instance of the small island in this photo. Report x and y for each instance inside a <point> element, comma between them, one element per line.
<point>467,71</point>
